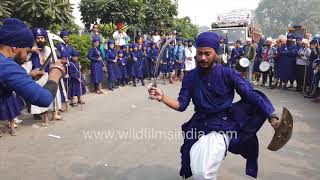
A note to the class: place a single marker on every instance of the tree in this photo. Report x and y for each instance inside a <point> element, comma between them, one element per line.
<point>111,11</point>
<point>185,28</point>
<point>159,14</point>
<point>275,16</point>
<point>43,13</point>
<point>90,11</point>
<point>5,10</point>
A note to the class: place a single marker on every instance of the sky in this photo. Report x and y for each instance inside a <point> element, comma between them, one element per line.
<point>201,12</point>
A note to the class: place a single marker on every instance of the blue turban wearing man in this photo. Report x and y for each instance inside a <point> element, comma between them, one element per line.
<point>15,33</point>
<point>64,33</point>
<point>39,32</point>
<point>208,39</point>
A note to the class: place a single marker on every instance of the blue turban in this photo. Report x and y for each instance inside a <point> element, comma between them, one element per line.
<point>63,54</point>
<point>39,32</point>
<point>290,36</point>
<point>180,39</point>
<point>75,53</point>
<point>110,42</point>
<point>299,37</point>
<point>124,47</point>
<point>95,39</point>
<point>64,33</point>
<point>134,45</point>
<point>130,46</point>
<point>120,51</point>
<point>314,41</point>
<point>208,39</point>
<point>145,44</point>
<point>190,40</point>
<point>15,33</point>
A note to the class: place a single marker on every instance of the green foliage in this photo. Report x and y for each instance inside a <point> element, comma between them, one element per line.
<point>185,28</point>
<point>82,44</point>
<point>148,15</point>
<point>5,10</point>
<point>111,11</point>
<point>43,13</point>
<point>275,16</point>
<point>107,29</point>
<point>56,28</point>
<point>159,14</point>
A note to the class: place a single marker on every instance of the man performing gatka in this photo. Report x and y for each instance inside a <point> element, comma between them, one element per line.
<point>211,87</point>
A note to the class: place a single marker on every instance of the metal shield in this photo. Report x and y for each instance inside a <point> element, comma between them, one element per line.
<point>283,132</point>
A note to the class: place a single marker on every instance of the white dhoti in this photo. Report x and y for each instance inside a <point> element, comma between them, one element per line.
<point>36,109</point>
<point>207,154</point>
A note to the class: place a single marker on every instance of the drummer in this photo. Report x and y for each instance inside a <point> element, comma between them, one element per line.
<point>236,54</point>
<point>224,50</point>
<point>269,52</point>
<point>249,53</point>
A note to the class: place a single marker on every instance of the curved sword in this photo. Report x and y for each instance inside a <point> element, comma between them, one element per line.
<point>156,71</point>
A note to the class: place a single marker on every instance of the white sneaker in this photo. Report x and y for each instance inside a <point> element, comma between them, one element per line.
<point>17,121</point>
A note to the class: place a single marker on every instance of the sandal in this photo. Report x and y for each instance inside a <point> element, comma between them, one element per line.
<point>73,104</point>
<point>12,131</point>
<point>44,125</point>
<point>57,118</point>
<point>0,133</point>
<point>81,102</point>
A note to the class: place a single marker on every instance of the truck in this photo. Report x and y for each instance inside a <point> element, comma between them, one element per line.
<point>236,25</point>
<point>299,31</point>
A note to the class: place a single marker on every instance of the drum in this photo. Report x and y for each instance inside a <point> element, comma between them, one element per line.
<point>264,66</point>
<point>244,62</point>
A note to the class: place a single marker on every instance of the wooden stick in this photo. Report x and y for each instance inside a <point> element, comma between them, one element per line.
<point>67,88</point>
<point>80,98</point>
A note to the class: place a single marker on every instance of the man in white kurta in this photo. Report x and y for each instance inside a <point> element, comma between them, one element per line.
<point>190,62</point>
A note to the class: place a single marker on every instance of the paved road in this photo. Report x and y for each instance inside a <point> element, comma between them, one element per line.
<point>139,139</point>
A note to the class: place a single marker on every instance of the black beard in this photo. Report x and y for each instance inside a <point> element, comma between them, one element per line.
<point>189,45</point>
<point>18,60</point>
<point>41,45</point>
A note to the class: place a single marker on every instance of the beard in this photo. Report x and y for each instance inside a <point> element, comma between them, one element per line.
<point>41,44</point>
<point>17,58</point>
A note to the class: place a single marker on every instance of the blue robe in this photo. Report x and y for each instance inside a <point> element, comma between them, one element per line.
<point>122,64</point>
<point>135,64</point>
<point>14,78</point>
<point>212,96</point>
<point>112,66</point>
<point>171,60</point>
<point>236,55</point>
<point>179,55</point>
<point>96,66</point>
<point>287,62</point>
<point>127,56</point>
<point>34,58</point>
<point>74,86</point>
<point>152,56</point>
<point>145,61</point>
<point>65,48</point>
<point>164,60</point>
